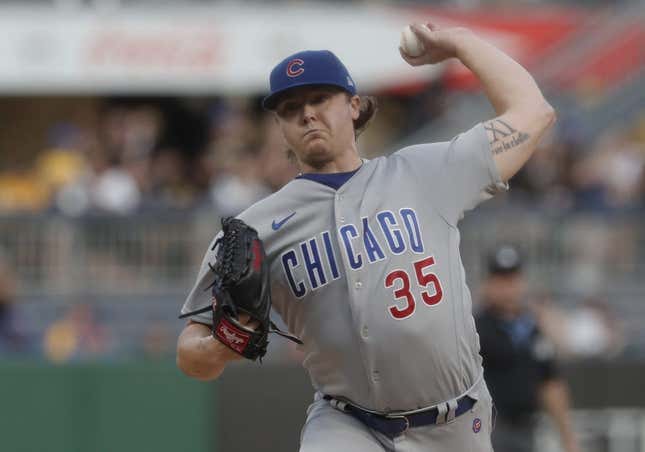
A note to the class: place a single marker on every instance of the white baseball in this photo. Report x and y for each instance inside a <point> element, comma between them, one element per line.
<point>410,43</point>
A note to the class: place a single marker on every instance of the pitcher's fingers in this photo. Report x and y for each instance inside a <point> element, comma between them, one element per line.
<point>244,319</point>
<point>412,61</point>
<point>253,324</point>
<point>247,321</point>
<point>422,31</point>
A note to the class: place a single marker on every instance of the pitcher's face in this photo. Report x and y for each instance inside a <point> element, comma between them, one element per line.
<point>317,123</point>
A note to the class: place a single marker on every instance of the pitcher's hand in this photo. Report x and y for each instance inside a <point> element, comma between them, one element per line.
<point>440,44</point>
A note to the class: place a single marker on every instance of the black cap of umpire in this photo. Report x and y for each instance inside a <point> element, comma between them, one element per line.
<point>504,259</point>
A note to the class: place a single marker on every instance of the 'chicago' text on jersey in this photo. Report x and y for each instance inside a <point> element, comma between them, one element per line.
<point>366,243</point>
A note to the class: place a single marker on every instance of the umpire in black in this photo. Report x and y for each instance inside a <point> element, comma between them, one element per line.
<point>519,361</point>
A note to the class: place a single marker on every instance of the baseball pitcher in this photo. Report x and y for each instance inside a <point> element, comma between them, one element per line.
<point>362,257</point>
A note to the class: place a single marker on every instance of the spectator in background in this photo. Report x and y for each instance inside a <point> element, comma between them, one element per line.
<point>114,163</point>
<point>77,336</point>
<point>236,153</point>
<point>588,331</point>
<point>168,185</point>
<point>10,339</point>
<point>240,186</point>
<point>612,175</point>
<point>593,331</point>
<point>157,341</point>
<point>519,361</point>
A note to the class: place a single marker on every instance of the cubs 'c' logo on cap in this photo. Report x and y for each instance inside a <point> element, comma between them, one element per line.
<point>294,67</point>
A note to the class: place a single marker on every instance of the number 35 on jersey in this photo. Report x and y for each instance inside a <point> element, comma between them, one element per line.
<point>387,233</point>
<point>430,288</point>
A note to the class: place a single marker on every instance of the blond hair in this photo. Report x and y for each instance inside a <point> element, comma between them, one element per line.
<point>368,109</point>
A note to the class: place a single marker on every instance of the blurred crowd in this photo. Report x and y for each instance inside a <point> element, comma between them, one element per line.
<point>574,171</point>
<point>141,155</point>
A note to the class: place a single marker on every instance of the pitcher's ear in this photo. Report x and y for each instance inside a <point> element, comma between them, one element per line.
<point>355,105</point>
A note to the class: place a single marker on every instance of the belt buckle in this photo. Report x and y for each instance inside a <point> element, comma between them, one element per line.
<point>405,418</point>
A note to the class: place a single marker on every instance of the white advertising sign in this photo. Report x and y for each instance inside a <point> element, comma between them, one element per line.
<point>208,50</point>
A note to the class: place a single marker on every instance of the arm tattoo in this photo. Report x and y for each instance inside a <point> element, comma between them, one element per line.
<point>503,137</point>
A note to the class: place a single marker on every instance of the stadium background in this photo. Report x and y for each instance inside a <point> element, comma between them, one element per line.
<point>127,128</point>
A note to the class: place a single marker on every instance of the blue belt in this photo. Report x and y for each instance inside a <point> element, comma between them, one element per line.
<point>393,425</point>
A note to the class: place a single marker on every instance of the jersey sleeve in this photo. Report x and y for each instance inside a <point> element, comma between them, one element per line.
<point>548,367</point>
<point>457,175</point>
<point>200,294</point>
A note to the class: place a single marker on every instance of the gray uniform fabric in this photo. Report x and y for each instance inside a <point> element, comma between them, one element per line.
<point>369,276</point>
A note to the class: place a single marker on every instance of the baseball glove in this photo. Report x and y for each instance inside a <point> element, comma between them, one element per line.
<point>241,285</point>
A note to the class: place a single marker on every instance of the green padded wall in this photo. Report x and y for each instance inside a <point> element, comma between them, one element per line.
<point>101,408</point>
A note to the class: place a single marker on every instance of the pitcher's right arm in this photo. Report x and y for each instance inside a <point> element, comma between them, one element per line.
<point>523,114</point>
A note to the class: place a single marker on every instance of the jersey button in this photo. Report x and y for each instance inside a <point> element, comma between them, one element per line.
<point>358,284</point>
<point>376,376</point>
<point>341,219</point>
<point>364,332</point>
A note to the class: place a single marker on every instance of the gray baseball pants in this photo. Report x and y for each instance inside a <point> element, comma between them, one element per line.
<point>329,430</point>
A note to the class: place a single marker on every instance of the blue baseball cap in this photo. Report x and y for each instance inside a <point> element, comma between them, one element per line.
<point>309,67</point>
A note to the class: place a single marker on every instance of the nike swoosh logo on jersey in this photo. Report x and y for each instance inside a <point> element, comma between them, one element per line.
<point>278,224</point>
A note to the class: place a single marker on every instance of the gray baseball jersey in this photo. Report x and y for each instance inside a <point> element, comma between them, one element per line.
<point>369,276</point>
